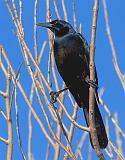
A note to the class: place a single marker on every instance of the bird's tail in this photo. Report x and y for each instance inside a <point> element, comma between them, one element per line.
<point>100,128</point>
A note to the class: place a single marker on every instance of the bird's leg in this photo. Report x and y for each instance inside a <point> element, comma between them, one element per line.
<point>91,83</point>
<point>54,95</point>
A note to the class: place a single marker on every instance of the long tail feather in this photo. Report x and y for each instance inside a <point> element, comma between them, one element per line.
<point>101,132</point>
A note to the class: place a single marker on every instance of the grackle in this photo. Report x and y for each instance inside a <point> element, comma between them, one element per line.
<point>71,53</point>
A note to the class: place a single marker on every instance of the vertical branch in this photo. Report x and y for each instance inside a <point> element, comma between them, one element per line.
<point>51,36</point>
<point>47,151</point>
<point>64,10</point>
<point>56,9</point>
<point>59,130</point>
<point>92,77</point>
<point>50,39</point>
<point>74,15</point>
<point>32,88</point>
<point>71,131</point>
<point>35,30</point>
<point>20,4</point>
<point>31,101</point>
<point>30,136</point>
<point>9,120</point>
<point>80,144</point>
<point>118,136</point>
<point>17,126</point>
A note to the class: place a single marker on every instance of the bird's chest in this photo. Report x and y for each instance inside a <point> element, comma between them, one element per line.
<point>64,51</point>
<point>67,61</point>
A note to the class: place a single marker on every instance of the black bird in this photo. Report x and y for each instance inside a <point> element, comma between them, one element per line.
<point>71,53</point>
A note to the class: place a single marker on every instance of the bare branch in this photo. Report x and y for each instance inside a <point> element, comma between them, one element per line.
<point>118,136</point>
<point>93,131</point>
<point>116,151</point>
<point>4,140</point>
<point>71,131</point>
<point>3,94</point>
<point>17,127</point>
<point>2,112</point>
<point>21,8</point>
<point>74,15</point>
<point>80,144</point>
<point>56,9</point>
<point>64,10</point>
<point>9,120</point>
<point>27,101</point>
<point>111,117</point>
<point>35,30</point>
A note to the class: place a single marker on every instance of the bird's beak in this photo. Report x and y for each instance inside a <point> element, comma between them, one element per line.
<point>47,25</point>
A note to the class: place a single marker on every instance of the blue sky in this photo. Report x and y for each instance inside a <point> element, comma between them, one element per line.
<point>114,95</point>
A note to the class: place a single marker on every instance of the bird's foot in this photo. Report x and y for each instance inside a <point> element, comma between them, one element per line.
<point>55,95</point>
<point>91,82</point>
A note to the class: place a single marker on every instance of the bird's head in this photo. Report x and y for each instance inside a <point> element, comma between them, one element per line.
<point>58,27</point>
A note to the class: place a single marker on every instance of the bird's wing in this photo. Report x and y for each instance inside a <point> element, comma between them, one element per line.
<point>87,55</point>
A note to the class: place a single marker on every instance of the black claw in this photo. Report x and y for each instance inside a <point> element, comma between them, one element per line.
<point>91,82</point>
<point>54,96</point>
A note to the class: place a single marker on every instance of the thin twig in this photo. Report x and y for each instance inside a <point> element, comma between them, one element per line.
<point>17,127</point>
<point>3,94</point>
<point>31,99</point>
<point>47,151</point>
<point>4,140</point>
<point>59,130</point>
<point>35,30</point>
<point>15,9</point>
<point>118,136</point>
<point>80,144</point>
<point>30,135</point>
<point>71,98</point>
<point>74,15</point>
<point>121,157</point>
<point>49,68</point>
<point>71,130</point>
<point>15,83</point>
<point>21,8</point>
<point>2,112</point>
<point>64,10</point>
<point>56,9</point>
<point>111,117</point>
